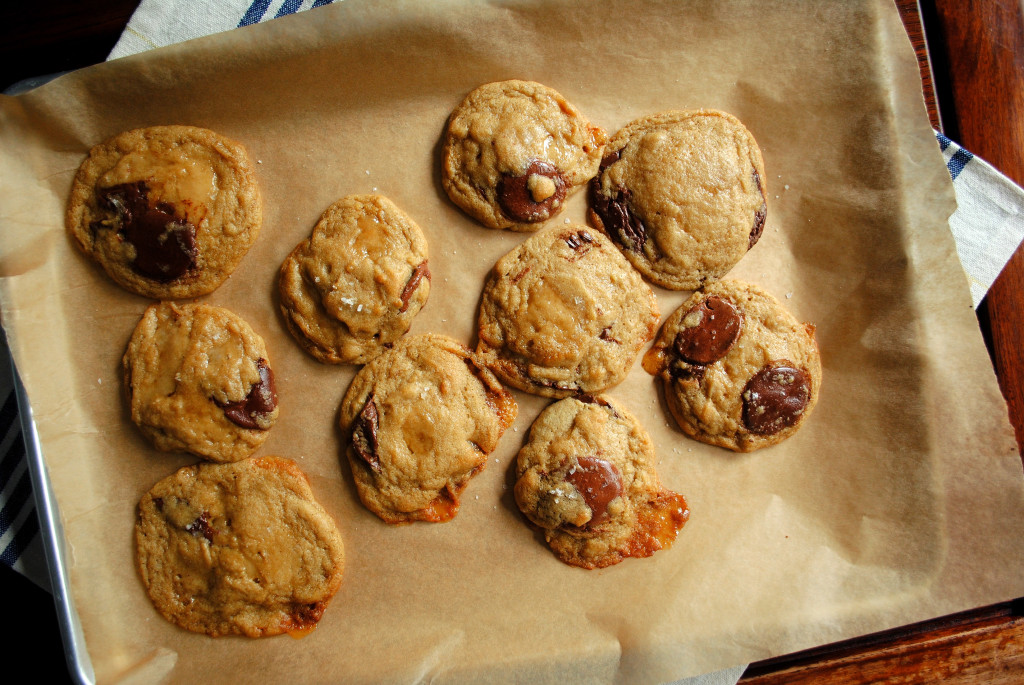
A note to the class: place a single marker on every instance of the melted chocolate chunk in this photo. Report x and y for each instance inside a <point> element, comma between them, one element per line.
<point>201,526</point>
<point>598,482</point>
<point>775,398</point>
<point>711,338</point>
<point>620,223</point>
<point>419,273</point>
<point>685,372</point>
<point>523,199</point>
<point>165,246</point>
<point>261,400</point>
<point>580,242</point>
<point>759,215</point>
<point>364,435</point>
<point>606,335</point>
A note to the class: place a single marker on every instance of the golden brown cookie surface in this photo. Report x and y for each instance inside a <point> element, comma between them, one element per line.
<point>587,478</point>
<point>564,313</point>
<point>514,150</point>
<point>420,420</point>
<point>167,211</point>
<point>683,195</point>
<point>357,282</point>
<point>198,379</point>
<point>241,548</point>
<point>739,370</point>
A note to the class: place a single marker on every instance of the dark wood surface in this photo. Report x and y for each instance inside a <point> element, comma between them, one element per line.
<point>972,69</point>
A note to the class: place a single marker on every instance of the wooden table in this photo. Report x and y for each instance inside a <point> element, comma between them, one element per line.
<point>972,66</point>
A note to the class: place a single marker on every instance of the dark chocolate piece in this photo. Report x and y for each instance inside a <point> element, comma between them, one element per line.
<point>620,223</point>
<point>419,273</point>
<point>201,526</point>
<point>598,482</point>
<point>775,398</point>
<point>165,246</point>
<point>517,199</point>
<point>711,338</point>
<point>364,435</point>
<point>759,215</point>
<point>261,400</point>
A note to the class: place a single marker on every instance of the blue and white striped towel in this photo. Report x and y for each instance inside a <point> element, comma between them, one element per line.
<point>987,227</point>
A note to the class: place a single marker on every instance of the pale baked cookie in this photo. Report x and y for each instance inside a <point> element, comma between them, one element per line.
<point>564,313</point>
<point>420,420</point>
<point>586,477</point>
<point>739,371</point>
<point>238,549</point>
<point>356,283</point>
<point>198,379</point>
<point>683,195</point>
<point>513,152</point>
<point>168,211</point>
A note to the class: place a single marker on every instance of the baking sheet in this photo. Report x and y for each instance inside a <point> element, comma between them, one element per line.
<point>901,499</point>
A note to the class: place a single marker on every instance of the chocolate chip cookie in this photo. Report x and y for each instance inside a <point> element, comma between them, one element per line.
<point>420,420</point>
<point>739,371</point>
<point>513,152</point>
<point>564,313</point>
<point>356,283</point>
<point>682,193</point>
<point>198,379</point>
<point>238,549</point>
<point>586,477</point>
<point>167,211</point>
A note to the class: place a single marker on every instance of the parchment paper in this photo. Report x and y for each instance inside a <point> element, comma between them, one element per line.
<point>900,499</point>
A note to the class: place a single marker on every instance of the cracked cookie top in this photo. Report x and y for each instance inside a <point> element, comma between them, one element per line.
<point>420,420</point>
<point>198,379</point>
<point>238,549</point>
<point>355,285</point>
<point>564,313</point>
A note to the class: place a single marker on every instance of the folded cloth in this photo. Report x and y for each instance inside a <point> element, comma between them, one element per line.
<point>164,22</point>
<point>988,223</point>
<point>987,228</point>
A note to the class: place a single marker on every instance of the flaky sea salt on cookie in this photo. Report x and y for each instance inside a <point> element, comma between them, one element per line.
<point>420,420</point>
<point>682,193</point>
<point>167,211</point>
<point>238,549</point>
<point>586,477</point>
<point>739,371</point>
<point>354,286</point>
<point>564,313</point>
<point>514,150</point>
<point>198,379</point>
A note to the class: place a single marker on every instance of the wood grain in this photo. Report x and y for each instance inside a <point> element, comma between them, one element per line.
<point>984,42</point>
<point>982,650</point>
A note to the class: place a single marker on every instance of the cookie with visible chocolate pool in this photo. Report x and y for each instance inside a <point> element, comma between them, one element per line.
<point>167,211</point>
<point>198,379</point>
<point>238,549</point>
<point>586,477</point>
<point>514,151</point>
<point>420,420</point>
<point>354,286</point>
<point>739,371</point>
<point>682,193</point>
